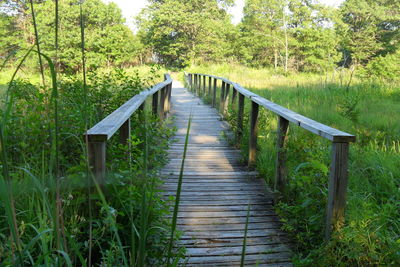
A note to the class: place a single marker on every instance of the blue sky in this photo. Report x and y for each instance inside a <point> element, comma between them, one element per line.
<point>131,8</point>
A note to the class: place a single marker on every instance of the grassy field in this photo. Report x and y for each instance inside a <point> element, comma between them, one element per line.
<point>369,110</point>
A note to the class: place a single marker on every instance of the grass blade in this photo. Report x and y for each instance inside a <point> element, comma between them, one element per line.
<point>37,42</point>
<point>178,193</point>
<point>245,237</point>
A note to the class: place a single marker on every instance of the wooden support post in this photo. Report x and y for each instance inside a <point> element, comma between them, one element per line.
<point>169,96</point>
<point>280,166</point>
<point>253,134</point>
<point>125,132</point>
<point>234,94</point>
<point>124,135</point>
<point>142,106</point>
<point>161,103</point>
<point>337,188</point>
<point>209,85</point>
<point>221,98</point>
<point>199,85</point>
<point>204,85</point>
<point>195,83</point>
<point>226,98</point>
<point>164,99</point>
<point>190,81</point>
<point>97,160</point>
<point>239,132</point>
<point>155,103</point>
<point>214,98</point>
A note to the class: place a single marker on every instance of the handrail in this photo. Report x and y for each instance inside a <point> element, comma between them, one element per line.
<point>119,119</point>
<point>338,176</point>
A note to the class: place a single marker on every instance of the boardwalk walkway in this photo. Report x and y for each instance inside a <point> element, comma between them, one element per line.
<point>216,191</point>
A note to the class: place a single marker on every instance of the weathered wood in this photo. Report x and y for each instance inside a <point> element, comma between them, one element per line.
<point>97,160</point>
<point>304,122</point>
<point>204,85</point>
<point>239,132</point>
<point>226,99</point>
<point>280,166</point>
<point>234,95</point>
<point>337,187</point>
<point>214,98</point>
<point>216,189</point>
<point>221,98</point>
<point>253,133</point>
<point>209,86</point>
<point>155,103</point>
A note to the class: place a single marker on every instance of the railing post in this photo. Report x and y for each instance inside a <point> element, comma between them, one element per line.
<point>239,132</point>
<point>155,103</point>
<point>97,160</point>
<point>234,94</point>
<point>214,98</point>
<point>169,96</point>
<point>253,134</point>
<point>226,98</point>
<point>204,85</point>
<point>280,166</point>
<point>337,188</point>
<point>191,81</point>
<point>195,83</point>
<point>209,85</point>
<point>163,94</point>
<point>124,135</point>
<point>199,85</point>
<point>221,98</point>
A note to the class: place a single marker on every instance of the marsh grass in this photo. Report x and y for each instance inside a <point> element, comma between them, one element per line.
<point>370,110</point>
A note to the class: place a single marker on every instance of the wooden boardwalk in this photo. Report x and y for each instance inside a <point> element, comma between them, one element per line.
<point>216,191</point>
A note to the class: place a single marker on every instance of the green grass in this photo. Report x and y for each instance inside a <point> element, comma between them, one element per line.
<point>371,111</point>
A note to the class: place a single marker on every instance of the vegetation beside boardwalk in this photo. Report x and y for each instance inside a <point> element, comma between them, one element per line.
<point>370,110</point>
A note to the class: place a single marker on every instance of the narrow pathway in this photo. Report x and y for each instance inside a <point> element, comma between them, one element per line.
<point>216,191</point>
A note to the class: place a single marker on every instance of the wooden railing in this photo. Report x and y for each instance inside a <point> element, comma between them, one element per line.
<point>98,135</point>
<point>340,140</point>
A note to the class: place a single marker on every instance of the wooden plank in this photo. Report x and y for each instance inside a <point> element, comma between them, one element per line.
<point>236,250</point>
<point>250,259</point>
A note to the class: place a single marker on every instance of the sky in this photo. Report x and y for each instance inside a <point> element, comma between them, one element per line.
<point>131,8</point>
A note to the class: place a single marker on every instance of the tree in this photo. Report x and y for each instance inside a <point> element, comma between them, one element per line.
<point>315,42</point>
<point>108,40</point>
<point>369,28</point>
<point>263,32</point>
<point>181,32</point>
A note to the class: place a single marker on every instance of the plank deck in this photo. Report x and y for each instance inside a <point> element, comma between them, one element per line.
<point>217,188</point>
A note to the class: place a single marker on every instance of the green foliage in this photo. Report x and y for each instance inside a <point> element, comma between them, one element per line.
<point>383,68</point>
<point>369,28</point>
<point>108,41</point>
<point>181,32</point>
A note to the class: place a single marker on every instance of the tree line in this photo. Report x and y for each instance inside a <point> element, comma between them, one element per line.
<point>296,35</point>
